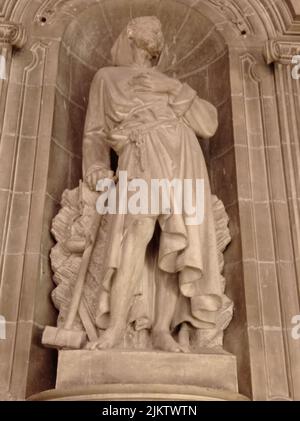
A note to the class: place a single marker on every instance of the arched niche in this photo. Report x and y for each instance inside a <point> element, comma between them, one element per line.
<point>196,53</point>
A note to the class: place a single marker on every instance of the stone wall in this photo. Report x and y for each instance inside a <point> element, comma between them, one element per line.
<point>253,163</point>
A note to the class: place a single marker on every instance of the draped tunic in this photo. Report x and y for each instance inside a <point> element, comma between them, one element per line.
<point>157,140</point>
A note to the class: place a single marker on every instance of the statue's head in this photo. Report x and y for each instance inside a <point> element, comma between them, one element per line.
<point>146,33</point>
<point>143,33</point>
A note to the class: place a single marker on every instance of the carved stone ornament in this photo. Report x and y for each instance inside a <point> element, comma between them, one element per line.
<point>12,34</point>
<point>281,51</point>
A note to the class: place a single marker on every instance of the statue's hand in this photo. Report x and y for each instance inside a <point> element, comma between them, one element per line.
<point>155,82</point>
<point>96,175</point>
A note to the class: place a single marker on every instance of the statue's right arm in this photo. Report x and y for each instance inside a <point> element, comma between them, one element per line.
<point>199,114</point>
<point>96,152</point>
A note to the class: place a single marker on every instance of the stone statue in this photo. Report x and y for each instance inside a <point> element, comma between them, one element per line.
<point>147,280</point>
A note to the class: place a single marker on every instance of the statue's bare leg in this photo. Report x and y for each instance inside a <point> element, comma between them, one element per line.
<point>167,295</point>
<point>124,284</point>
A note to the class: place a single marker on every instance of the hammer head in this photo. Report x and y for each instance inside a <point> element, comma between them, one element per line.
<point>59,338</point>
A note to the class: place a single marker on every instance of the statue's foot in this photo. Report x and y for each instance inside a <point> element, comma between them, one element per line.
<point>163,340</point>
<point>109,339</point>
<point>91,346</point>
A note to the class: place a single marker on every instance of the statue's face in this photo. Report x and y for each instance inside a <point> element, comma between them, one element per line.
<point>146,34</point>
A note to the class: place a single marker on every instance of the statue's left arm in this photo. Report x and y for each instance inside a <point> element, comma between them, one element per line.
<point>199,114</point>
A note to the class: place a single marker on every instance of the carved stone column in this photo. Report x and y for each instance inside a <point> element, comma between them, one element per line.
<point>11,36</point>
<point>285,55</point>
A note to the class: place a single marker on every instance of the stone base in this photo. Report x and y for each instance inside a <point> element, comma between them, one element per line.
<point>141,392</point>
<point>86,369</point>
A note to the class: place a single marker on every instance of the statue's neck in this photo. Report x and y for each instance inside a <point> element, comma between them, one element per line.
<point>142,58</point>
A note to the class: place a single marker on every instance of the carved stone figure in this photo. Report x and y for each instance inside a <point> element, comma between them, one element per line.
<point>148,280</point>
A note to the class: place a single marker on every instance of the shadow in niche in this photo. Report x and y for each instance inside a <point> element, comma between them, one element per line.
<point>196,54</point>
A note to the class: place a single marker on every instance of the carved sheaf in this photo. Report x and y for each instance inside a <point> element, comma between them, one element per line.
<point>73,223</point>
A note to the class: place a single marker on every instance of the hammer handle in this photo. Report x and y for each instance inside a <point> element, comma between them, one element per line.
<point>74,306</point>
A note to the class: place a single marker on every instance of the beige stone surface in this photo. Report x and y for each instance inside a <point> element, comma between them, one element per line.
<point>84,368</point>
<point>140,392</point>
<point>295,7</point>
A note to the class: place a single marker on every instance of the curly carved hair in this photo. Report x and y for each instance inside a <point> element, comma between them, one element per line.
<point>147,33</point>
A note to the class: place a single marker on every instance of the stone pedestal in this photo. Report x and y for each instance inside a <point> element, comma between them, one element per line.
<point>144,375</point>
<point>141,370</point>
<point>140,392</point>
<point>131,375</point>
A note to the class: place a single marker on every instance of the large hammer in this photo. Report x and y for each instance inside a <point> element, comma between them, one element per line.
<point>66,337</point>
